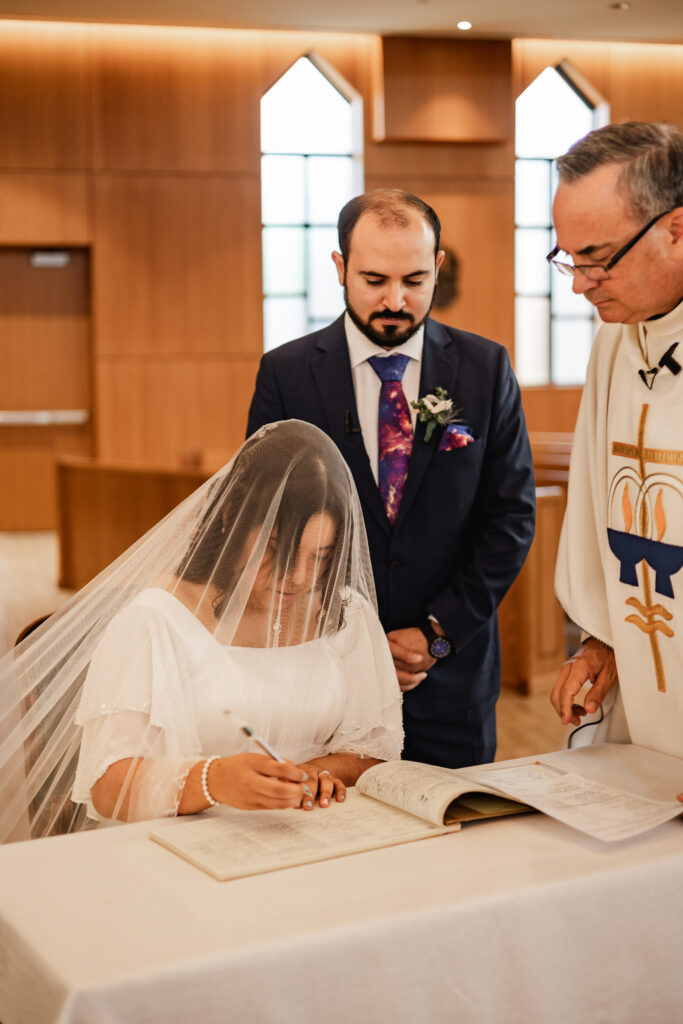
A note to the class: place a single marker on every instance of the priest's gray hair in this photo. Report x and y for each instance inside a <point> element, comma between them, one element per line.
<point>652,157</point>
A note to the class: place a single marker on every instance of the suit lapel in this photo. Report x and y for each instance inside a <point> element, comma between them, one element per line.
<point>439,369</point>
<point>331,370</point>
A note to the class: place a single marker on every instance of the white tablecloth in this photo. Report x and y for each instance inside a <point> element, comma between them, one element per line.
<point>512,920</point>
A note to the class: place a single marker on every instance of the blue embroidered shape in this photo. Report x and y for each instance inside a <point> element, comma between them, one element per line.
<point>664,559</point>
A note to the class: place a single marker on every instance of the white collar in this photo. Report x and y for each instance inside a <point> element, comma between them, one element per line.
<point>361,348</point>
<point>655,336</point>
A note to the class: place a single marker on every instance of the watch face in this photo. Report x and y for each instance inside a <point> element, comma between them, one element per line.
<point>440,647</point>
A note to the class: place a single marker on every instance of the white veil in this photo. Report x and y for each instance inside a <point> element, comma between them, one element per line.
<point>254,596</point>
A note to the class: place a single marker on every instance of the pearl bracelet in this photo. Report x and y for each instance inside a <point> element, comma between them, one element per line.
<point>205,781</point>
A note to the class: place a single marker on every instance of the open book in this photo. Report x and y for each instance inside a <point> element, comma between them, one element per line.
<point>609,791</point>
<point>395,802</point>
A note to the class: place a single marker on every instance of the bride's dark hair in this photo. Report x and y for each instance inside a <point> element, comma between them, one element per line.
<point>278,467</point>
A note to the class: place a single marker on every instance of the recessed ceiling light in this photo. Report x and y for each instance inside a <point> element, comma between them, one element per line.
<point>622,6</point>
<point>464,26</point>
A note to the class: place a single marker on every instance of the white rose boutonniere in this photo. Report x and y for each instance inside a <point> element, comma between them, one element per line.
<point>436,410</point>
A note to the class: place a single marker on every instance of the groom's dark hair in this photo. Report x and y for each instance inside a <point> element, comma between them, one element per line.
<point>390,206</point>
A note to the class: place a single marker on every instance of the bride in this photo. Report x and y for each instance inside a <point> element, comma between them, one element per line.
<point>248,611</point>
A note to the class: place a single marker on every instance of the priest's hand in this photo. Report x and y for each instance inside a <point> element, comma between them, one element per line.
<point>594,662</point>
<point>412,660</point>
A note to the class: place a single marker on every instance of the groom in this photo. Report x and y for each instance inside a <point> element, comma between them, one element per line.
<point>448,499</point>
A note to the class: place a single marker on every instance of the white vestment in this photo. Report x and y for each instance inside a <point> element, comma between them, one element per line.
<point>621,551</point>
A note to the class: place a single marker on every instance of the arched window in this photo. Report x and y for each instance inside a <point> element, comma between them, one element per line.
<point>310,166</point>
<point>554,328</point>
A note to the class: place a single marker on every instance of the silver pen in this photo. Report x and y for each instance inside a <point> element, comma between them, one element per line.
<point>266,747</point>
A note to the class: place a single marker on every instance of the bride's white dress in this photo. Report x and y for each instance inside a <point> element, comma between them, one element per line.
<point>160,684</point>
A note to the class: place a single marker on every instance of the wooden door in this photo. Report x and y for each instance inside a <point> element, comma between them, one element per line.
<point>45,378</point>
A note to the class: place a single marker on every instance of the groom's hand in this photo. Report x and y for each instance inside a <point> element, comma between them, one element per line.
<point>412,659</point>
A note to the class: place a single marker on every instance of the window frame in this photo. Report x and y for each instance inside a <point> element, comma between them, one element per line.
<point>355,158</point>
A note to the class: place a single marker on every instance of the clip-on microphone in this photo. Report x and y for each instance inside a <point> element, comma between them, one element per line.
<point>667,360</point>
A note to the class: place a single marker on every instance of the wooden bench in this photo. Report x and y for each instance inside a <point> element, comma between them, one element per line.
<point>551,453</point>
<point>532,622</point>
<point>530,618</point>
<point>104,507</point>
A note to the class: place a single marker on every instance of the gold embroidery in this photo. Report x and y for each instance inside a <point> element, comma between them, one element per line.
<point>627,509</point>
<point>651,627</point>
<point>646,621</point>
<point>664,456</point>
<point>655,609</point>
<point>660,515</point>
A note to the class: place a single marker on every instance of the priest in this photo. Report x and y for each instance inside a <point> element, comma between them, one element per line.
<point>618,214</point>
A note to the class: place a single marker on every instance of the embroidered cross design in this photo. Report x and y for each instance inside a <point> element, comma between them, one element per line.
<point>639,547</point>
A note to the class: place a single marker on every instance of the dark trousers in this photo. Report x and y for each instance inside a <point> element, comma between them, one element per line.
<point>455,741</point>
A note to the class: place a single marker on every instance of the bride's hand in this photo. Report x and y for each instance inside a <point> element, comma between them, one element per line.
<point>323,785</point>
<point>257,782</point>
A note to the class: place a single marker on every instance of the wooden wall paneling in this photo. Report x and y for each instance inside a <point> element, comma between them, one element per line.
<point>103,509</point>
<point>356,59</point>
<point>386,160</point>
<point>27,473</point>
<point>344,52</point>
<point>531,56</point>
<point>177,267</point>
<point>551,408</point>
<point>27,291</point>
<point>163,412</point>
<point>45,365</point>
<point>45,360</point>
<point>44,209</point>
<point>446,90</point>
<point>641,81</point>
<point>646,82</point>
<point>477,220</point>
<point>42,95</point>
<point>172,99</point>
<point>478,225</point>
<point>44,333</point>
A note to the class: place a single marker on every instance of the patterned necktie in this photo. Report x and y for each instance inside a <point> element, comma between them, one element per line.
<point>395,431</point>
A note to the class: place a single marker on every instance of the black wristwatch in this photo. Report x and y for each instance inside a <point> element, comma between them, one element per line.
<point>437,645</point>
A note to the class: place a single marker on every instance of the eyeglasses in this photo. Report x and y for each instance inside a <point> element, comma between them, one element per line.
<point>597,271</point>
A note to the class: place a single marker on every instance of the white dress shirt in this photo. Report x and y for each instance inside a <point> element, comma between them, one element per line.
<point>367,384</point>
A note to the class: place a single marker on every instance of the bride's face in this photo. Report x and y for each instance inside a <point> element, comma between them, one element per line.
<point>280,586</point>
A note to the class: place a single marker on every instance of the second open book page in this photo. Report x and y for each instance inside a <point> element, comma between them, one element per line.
<point>611,791</point>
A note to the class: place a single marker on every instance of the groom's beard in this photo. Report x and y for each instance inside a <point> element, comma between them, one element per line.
<point>387,335</point>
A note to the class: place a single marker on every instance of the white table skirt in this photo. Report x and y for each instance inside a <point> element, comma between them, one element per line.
<point>514,920</point>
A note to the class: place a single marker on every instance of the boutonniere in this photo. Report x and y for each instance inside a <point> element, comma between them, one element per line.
<point>436,410</point>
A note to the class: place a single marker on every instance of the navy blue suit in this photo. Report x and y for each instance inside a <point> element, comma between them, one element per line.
<point>465,523</point>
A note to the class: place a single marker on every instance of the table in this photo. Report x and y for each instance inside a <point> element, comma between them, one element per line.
<point>511,920</point>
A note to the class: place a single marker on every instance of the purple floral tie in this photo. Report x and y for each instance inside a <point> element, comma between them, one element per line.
<point>395,431</point>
